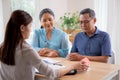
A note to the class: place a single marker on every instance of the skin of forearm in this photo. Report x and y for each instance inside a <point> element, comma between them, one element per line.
<point>65,70</point>
<point>98,58</point>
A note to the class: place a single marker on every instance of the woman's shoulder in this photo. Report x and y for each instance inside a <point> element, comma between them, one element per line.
<point>27,46</point>
<point>27,53</point>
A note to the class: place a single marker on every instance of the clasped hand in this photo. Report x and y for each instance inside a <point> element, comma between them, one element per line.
<point>75,57</point>
<point>48,52</point>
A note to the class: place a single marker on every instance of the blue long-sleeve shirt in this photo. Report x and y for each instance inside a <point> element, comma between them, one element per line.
<point>59,41</point>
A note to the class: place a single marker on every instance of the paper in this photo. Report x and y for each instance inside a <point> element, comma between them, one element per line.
<point>50,61</point>
<point>53,63</point>
<point>56,66</point>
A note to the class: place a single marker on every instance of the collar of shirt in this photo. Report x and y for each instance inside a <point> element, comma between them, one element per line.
<point>96,32</point>
<point>44,31</point>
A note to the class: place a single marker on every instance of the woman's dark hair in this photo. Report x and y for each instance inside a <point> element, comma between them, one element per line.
<point>89,11</point>
<point>46,10</point>
<point>13,36</point>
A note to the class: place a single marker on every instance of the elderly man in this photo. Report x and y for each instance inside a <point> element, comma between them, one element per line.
<point>92,42</point>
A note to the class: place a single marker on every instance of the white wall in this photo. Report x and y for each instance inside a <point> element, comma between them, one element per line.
<point>6,10</point>
<point>78,5</point>
<point>1,22</point>
<point>62,6</point>
<point>58,6</point>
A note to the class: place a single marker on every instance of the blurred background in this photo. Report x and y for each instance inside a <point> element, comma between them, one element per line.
<point>107,14</point>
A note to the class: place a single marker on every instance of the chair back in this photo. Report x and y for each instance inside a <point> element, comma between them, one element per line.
<point>112,58</point>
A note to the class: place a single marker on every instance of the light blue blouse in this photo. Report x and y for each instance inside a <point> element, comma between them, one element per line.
<point>59,41</point>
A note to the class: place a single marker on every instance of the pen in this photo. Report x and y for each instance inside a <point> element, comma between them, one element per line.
<point>46,62</point>
<point>57,64</point>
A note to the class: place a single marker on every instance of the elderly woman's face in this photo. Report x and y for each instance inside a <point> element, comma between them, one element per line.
<point>47,21</point>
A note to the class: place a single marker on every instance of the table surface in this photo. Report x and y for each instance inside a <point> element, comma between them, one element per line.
<point>97,71</point>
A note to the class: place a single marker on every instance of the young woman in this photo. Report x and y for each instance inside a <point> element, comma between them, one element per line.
<point>18,59</point>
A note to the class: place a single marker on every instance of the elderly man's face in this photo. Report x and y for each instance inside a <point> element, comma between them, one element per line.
<point>87,23</point>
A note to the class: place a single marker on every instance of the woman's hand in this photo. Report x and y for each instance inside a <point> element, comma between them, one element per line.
<point>43,51</point>
<point>52,53</point>
<point>80,66</point>
<point>48,52</point>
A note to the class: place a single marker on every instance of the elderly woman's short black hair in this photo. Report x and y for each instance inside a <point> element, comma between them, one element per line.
<point>46,10</point>
<point>89,11</point>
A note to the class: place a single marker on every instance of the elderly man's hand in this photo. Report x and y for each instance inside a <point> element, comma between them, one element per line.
<point>75,57</point>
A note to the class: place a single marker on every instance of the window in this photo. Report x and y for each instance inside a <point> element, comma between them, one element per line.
<point>1,22</point>
<point>26,5</point>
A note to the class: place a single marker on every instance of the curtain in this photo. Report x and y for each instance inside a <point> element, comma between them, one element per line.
<point>108,18</point>
<point>100,7</point>
<point>113,26</point>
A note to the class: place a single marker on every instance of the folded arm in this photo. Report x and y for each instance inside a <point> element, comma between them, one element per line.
<point>77,57</point>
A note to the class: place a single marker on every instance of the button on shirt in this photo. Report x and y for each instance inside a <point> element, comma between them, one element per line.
<point>96,45</point>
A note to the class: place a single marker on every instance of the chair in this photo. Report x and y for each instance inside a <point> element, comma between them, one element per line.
<point>111,59</point>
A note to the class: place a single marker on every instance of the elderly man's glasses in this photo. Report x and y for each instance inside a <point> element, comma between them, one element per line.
<point>85,21</point>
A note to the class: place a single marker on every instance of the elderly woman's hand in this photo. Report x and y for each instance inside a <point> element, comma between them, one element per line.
<point>43,51</point>
<point>52,53</point>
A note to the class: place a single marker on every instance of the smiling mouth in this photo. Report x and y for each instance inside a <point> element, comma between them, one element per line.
<point>48,26</point>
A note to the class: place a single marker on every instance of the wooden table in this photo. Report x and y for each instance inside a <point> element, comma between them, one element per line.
<point>97,71</point>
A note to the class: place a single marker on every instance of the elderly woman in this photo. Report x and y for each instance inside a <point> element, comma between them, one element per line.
<point>49,40</point>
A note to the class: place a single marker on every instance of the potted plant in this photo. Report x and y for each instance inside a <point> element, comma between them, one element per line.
<point>70,22</point>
